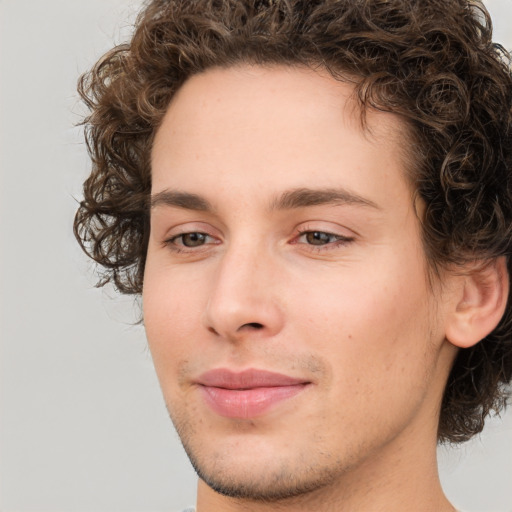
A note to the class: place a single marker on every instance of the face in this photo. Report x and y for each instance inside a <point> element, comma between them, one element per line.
<point>286,299</point>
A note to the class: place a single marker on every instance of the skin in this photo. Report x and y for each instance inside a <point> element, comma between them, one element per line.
<point>351,312</point>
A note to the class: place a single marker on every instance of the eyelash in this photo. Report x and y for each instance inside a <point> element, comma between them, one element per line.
<point>179,248</point>
<point>339,240</point>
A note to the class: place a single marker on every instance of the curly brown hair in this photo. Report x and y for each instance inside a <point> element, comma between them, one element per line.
<point>432,62</point>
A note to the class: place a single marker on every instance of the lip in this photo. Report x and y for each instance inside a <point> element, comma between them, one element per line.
<point>249,393</point>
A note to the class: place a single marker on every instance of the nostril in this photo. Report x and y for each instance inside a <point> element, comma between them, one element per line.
<point>249,325</point>
<point>253,325</point>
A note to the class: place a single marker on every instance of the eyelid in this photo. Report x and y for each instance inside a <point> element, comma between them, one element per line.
<point>191,227</point>
<point>334,235</point>
<point>343,236</point>
<point>329,228</point>
<point>339,240</point>
<point>173,238</point>
<point>172,235</point>
<point>172,245</point>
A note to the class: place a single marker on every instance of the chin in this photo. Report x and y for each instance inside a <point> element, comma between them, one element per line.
<point>267,481</point>
<point>255,467</point>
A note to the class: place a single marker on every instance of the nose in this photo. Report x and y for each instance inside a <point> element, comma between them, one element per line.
<point>244,299</point>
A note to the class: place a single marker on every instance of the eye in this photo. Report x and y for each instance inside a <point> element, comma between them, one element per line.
<point>190,240</point>
<point>320,238</point>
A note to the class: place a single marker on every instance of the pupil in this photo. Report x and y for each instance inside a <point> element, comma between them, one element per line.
<point>318,238</point>
<point>193,239</point>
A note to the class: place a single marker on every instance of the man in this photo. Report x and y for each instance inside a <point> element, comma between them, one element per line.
<point>315,201</point>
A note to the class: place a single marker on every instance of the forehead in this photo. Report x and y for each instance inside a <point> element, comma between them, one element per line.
<point>280,125</point>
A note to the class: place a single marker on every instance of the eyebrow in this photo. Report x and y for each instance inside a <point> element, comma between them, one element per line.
<point>304,197</point>
<point>179,199</point>
<point>288,200</point>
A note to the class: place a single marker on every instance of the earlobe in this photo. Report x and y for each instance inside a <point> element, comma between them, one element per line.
<point>480,303</point>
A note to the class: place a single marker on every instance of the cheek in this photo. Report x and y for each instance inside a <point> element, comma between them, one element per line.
<point>374,334</point>
<point>172,309</point>
<point>375,322</point>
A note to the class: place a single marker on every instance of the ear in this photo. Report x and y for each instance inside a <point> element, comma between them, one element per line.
<point>480,301</point>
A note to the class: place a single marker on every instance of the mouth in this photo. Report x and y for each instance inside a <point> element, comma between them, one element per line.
<point>247,394</point>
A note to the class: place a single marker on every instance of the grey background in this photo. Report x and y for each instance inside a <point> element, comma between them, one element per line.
<point>83,425</point>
